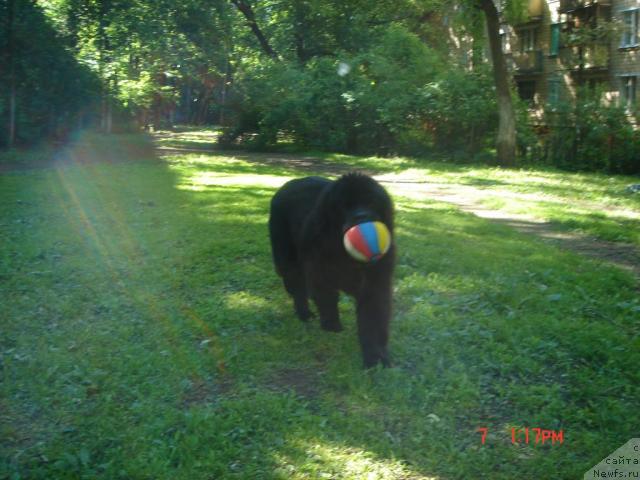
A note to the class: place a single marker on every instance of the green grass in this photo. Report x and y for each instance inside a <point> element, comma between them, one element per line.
<point>598,205</point>
<point>145,335</point>
<point>186,137</point>
<point>595,204</point>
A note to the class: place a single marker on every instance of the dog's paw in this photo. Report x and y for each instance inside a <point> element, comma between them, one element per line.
<point>304,314</point>
<point>370,360</point>
<point>331,326</point>
<point>386,362</point>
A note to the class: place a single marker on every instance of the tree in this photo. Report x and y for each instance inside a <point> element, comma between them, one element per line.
<point>195,61</point>
<point>506,138</point>
<point>45,92</point>
<point>10,54</point>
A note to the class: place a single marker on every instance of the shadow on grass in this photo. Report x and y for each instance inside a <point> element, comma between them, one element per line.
<point>269,163</point>
<point>482,182</point>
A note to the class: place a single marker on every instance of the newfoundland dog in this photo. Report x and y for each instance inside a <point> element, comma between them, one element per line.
<point>307,224</point>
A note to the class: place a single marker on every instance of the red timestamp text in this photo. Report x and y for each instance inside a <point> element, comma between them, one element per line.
<point>527,436</point>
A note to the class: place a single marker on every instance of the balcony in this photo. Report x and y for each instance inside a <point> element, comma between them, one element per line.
<point>594,57</point>
<point>571,5</point>
<point>528,62</point>
<point>535,10</point>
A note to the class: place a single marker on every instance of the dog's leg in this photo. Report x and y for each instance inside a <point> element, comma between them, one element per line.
<point>327,302</point>
<point>374,312</point>
<point>296,286</point>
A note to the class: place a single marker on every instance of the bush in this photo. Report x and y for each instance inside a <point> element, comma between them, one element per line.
<point>529,132</point>
<point>359,103</point>
<point>280,99</point>
<point>591,135</point>
<point>461,111</point>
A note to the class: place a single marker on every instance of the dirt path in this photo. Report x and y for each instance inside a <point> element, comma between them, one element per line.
<point>469,199</point>
<point>466,198</point>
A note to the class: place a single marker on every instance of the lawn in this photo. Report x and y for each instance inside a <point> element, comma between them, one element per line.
<point>145,335</point>
<point>598,205</point>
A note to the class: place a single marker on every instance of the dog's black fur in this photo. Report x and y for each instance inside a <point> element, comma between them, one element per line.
<point>307,222</point>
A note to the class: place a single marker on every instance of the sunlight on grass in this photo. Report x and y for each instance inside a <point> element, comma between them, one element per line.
<point>569,201</point>
<point>202,180</point>
<point>200,172</point>
<point>97,213</point>
<point>322,460</point>
<point>245,301</point>
<point>187,137</point>
<point>594,204</point>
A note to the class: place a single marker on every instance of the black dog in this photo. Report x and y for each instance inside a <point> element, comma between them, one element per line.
<point>309,217</point>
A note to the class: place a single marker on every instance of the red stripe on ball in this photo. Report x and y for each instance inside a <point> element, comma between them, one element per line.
<point>358,241</point>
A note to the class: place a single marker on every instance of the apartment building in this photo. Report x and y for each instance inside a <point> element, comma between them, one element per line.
<point>566,44</point>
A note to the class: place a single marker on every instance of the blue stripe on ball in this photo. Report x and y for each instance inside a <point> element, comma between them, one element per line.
<point>370,234</point>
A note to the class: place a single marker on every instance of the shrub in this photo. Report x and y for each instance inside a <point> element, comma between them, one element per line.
<point>590,135</point>
<point>361,103</point>
<point>461,110</point>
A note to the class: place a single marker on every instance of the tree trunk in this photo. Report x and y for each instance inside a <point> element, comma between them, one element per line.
<point>299,31</point>
<point>12,114</point>
<point>106,118</point>
<point>223,100</point>
<point>11,137</point>
<point>109,121</point>
<point>249,15</point>
<point>506,141</point>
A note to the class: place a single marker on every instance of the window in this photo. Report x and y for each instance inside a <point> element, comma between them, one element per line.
<point>555,39</point>
<point>527,40</point>
<point>527,91</point>
<point>628,92</point>
<point>629,28</point>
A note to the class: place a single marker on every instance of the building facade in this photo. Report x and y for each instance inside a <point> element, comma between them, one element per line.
<point>564,45</point>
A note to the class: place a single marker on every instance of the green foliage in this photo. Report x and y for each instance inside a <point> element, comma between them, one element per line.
<point>53,92</point>
<point>515,11</point>
<point>602,33</point>
<point>591,135</point>
<point>527,139</point>
<point>461,110</point>
<point>365,102</point>
<point>347,76</point>
<point>300,102</point>
<point>389,114</point>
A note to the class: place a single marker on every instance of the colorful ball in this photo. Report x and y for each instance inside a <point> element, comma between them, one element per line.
<point>367,242</point>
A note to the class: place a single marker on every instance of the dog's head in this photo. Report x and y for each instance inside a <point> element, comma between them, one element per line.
<point>356,198</point>
<point>352,200</point>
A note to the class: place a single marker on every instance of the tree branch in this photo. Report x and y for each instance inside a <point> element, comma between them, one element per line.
<point>246,10</point>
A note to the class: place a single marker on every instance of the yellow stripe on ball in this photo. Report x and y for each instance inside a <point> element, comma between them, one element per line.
<point>384,237</point>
